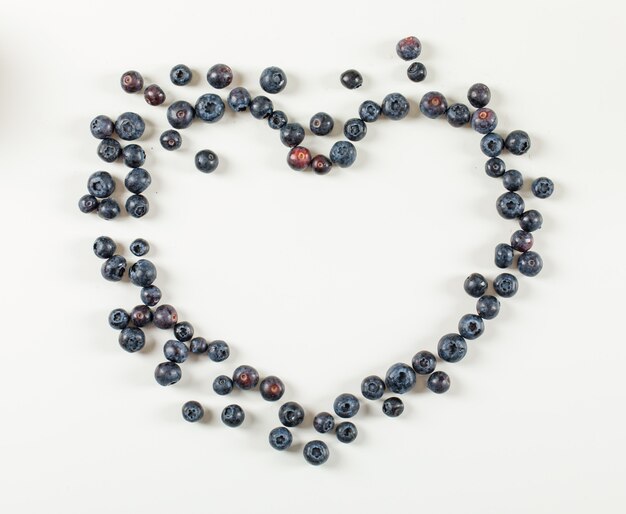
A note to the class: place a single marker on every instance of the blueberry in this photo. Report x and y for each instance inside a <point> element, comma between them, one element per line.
<point>239,99</point>
<point>424,362</point>
<point>346,405</point>
<point>475,285</point>
<point>458,115</point>
<point>180,114</point>
<point>321,164</point>
<point>218,351</point>
<point>108,209</point>
<point>280,438</point>
<point>273,80</point>
<point>167,373</point>
<point>272,388</point>
<point>346,432</point>
<point>452,348</point>
<point>393,407</point>
<point>416,72</point>
<point>129,126</point>
<point>131,81</point>
<point>321,124</point>
<point>433,104</point>
<point>198,345</point>
<point>409,48</point>
<point>505,285</point>
<point>139,247</point>
<point>491,144</point>
<point>369,111</point>
<point>101,184</point>
<point>531,220</point>
<point>351,79</point>
<point>165,316</point>
<point>521,241</point>
<point>132,339</point>
<point>137,206</point>
<point>488,307</point>
<point>245,377</point>
<point>210,108</point>
<point>175,351</point>
<point>495,167</point>
<point>277,120</point>
<point>512,180</point>
<point>109,150</point>
<point>154,95</point>
<point>261,107</point>
<point>183,331</point>
<point>104,247</point>
<point>323,422</point>
<point>479,95</point>
<point>530,264</point>
<point>180,75</point>
<point>119,319</point>
<point>192,411</point>
<point>372,387</point>
<point>542,187</point>
<point>171,140</point>
<point>510,205</point>
<point>222,385</point>
<point>503,255</point>
<point>400,378</point>
<point>291,414</point>
<point>343,154</point>
<point>517,142</point>
<point>471,326</point>
<point>316,452</point>
<point>354,129</point>
<point>233,415</point>
<point>219,76</point>
<point>299,158</point>
<point>292,134</point>
<point>101,126</point>
<point>206,161</point>
<point>438,382</point>
<point>113,269</point>
<point>395,106</point>
<point>141,316</point>
<point>133,155</point>
<point>87,203</point>
<point>484,120</point>
<point>150,295</point>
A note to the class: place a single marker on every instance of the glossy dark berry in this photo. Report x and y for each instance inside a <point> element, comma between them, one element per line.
<point>219,76</point>
<point>424,362</point>
<point>487,307</point>
<point>393,407</point>
<point>272,388</point>
<point>139,247</point>
<point>101,184</point>
<point>299,158</point>
<point>261,107</point>
<point>210,108</point>
<point>321,164</point>
<point>192,411</point>
<point>346,432</point>
<point>141,316</point>
<point>522,241</point>
<point>323,422</point>
<point>438,382</point>
<point>137,206</point>
<point>180,75</point>
<point>409,48</point>
<point>475,285</point>
<point>292,134</point>
<point>218,351</point>
<point>369,111</point>
<point>277,120</point>
<point>180,114</point>
<point>239,99</point>
<point>101,126</point>
<point>479,95</point>
<point>87,203</point>
<point>154,95</point>
<point>167,373</point>
<point>517,142</point>
<point>351,79</point>
<point>109,150</point>
<point>530,264</point>
<point>346,405</point>
<point>495,167</point>
<point>175,351</point>
<point>113,269</point>
<point>433,104</point>
<point>129,126</point>
<point>492,144</point>
<point>484,120</point>
<point>354,129</point>
<point>206,161</point>
<point>316,452</point>
<point>132,339</point>
<point>104,247</point>
<point>150,295</point>
<point>183,331</point>
<point>542,187</point>
<point>416,72</point>
<point>280,438</point>
<point>512,180</point>
<point>372,387</point>
<point>395,106</point>
<point>531,220</point>
<point>131,81</point>
<point>246,377</point>
<point>198,345</point>
<point>165,316</point>
<point>400,378</point>
<point>133,155</point>
<point>343,154</point>
<point>223,385</point>
<point>108,209</point>
<point>233,415</point>
<point>451,348</point>
<point>171,140</point>
<point>504,255</point>
<point>119,319</point>
<point>321,124</point>
<point>510,205</point>
<point>458,115</point>
<point>505,285</point>
<point>471,326</point>
<point>273,80</point>
<point>291,414</point>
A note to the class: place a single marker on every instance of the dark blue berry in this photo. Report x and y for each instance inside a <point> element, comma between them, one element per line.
<point>141,316</point>
<point>192,411</point>
<point>479,95</point>
<point>372,387</point>
<point>113,269</point>
<point>321,124</point>
<point>343,154</point>
<point>369,111</point>
<point>272,388</point>
<point>150,295</point>
<point>223,385</point>
<point>346,405</point>
<point>119,319</point>
<point>416,72</point>
<point>131,81</point>
<point>142,273</point>
<point>206,161</point>
<point>400,378</point>
<point>137,206</point>
<point>239,99</point>
<point>245,377</point>
<point>521,241</point>
<point>512,180</point>
<point>261,107</point>
<point>198,345</point>
<point>180,75</point>
<point>210,108</point>
<point>354,129</point>
<point>101,184</point>
<point>542,187</point>
<point>316,452</point>
<point>291,414</point>
<point>351,79</point>
<point>292,134</point>
<point>139,247</point>
<point>273,80</point>
<point>219,76</point>
<point>183,331</point>
<point>495,167</point>
<point>101,126</point>
<point>488,307</point>
<point>132,339</point>
<point>395,106</point>
<point>475,285</point>
<point>109,150</point>
<point>346,432</point>
<point>233,415</point>
<point>504,255</point>
<point>171,140</point>
<point>165,316</point>
<point>280,438</point>
<point>531,220</point>
<point>484,120</point>
<point>180,114</point>
<point>321,164</point>
<point>505,285</point>
<point>424,362</point>
<point>510,205</point>
<point>104,247</point>
<point>409,48</point>
<point>175,351</point>
<point>167,373</point>
<point>129,126</point>
<point>133,155</point>
<point>452,348</point>
<point>323,422</point>
<point>393,407</point>
<point>471,326</point>
<point>530,264</point>
<point>433,104</point>
<point>492,144</point>
<point>277,120</point>
<point>108,209</point>
<point>458,115</point>
<point>154,95</point>
<point>87,203</point>
<point>438,382</point>
<point>218,351</point>
<point>517,142</point>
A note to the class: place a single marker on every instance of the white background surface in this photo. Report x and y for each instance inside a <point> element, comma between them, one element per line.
<point>320,280</point>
